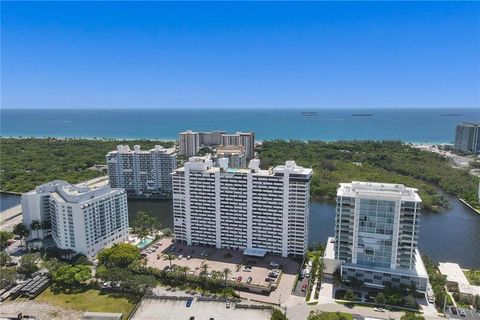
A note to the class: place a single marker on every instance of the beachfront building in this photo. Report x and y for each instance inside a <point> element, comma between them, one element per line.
<point>244,139</point>
<point>79,218</point>
<point>235,155</point>
<point>467,137</point>
<point>376,234</point>
<point>259,210</point>
<point>190,141</point>
<point>142,173</point>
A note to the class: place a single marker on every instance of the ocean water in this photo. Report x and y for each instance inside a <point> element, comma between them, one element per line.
<point>409,125</point>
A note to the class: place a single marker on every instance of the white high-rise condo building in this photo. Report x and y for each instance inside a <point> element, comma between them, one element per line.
<point>80,218</point>
<point>190,141</point>
<point>376,234</point>
<point>467,137</point>
<point>235,155</point>
<point>244,139</point>
<point>142,173</point>
<point>242,208</point>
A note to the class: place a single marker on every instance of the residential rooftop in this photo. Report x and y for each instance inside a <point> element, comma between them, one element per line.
<point>358,188</point>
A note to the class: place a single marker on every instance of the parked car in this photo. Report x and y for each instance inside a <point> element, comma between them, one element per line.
<point>189,257</point>
<point>302,274</point>
<point>172,248</point>
<point>461,312</point>
<point>273,275</point>
<point>180,257</point>
<point>273,264</point>
<point>310,263</point>
<point>304,287</point>
<point>453,310</point>
<point>269,280</point>
<point>189,303</point>
<point>249,279</point>
<point>227,304</point>
<point>307,273</point>
<point>239,279</point>
<point>379,309</point>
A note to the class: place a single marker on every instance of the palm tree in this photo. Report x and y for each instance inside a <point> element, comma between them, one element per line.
<point>144,262</point>
<point>204,267</point>
<point>472,273</point>
<point>22,231</point>
<point>169,257</point>
<point>184,270</point>
<point>226,272</point>
<point>35,226</point>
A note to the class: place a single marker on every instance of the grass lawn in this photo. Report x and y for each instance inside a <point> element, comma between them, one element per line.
<point>90,300</point>
<point>474,279</point>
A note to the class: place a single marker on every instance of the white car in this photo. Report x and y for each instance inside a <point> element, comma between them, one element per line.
<point>379,309</point>
<point>180,257</point>
<point>273,264</point>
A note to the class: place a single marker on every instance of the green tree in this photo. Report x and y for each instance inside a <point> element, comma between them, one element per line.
<point>226,272</point>
<point>278,315</point>
<point>412,316</point>
<point>349,296</point>
<point>380,299</point>
<point>337,277</point>
<point>52,265</point>
<point>4,237</point>
<point>169,257</point>
<point>4,258</point>
<point>28,264</point>
<point>22,231</point>
<point>119,255</point>
<point>72,275</point>
<point>35,226</point>
<point>8,276</point>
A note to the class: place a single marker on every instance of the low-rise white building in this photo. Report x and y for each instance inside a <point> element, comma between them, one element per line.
<point>80,218</point>
<point>242,208</point>
<point>456,280</point>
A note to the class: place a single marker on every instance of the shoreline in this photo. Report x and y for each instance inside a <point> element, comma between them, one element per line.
<point>469,205</point>
<point>414,144</point>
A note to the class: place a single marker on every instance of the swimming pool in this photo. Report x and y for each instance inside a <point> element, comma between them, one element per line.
<point>144,242</point>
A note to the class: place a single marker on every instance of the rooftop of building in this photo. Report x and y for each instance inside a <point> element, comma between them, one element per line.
<point>137,149</point>
<point>358,188</point>
<point>453,272</point>
<point>205,164</point>
<point>330,249</point>
<point>189,131</point>
<point>66,192</point>
<point>221,149</point>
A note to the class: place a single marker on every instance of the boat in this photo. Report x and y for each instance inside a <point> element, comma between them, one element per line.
<point>309,113</point>
<point>362,115</point>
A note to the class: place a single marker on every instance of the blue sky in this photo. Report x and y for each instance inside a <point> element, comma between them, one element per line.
<point>243,54</point>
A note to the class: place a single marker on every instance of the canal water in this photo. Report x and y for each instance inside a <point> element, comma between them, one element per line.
<point>8,200</point>
<point>453,235</point>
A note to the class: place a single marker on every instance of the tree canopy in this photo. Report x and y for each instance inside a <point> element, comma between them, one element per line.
<point>119,255</point>
<point>386,161</point>
<point>72,274</point>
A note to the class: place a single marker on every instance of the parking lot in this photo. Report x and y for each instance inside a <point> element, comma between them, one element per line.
<point>194,257</point>
<point>200,310</point>
<point>469,314</point>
